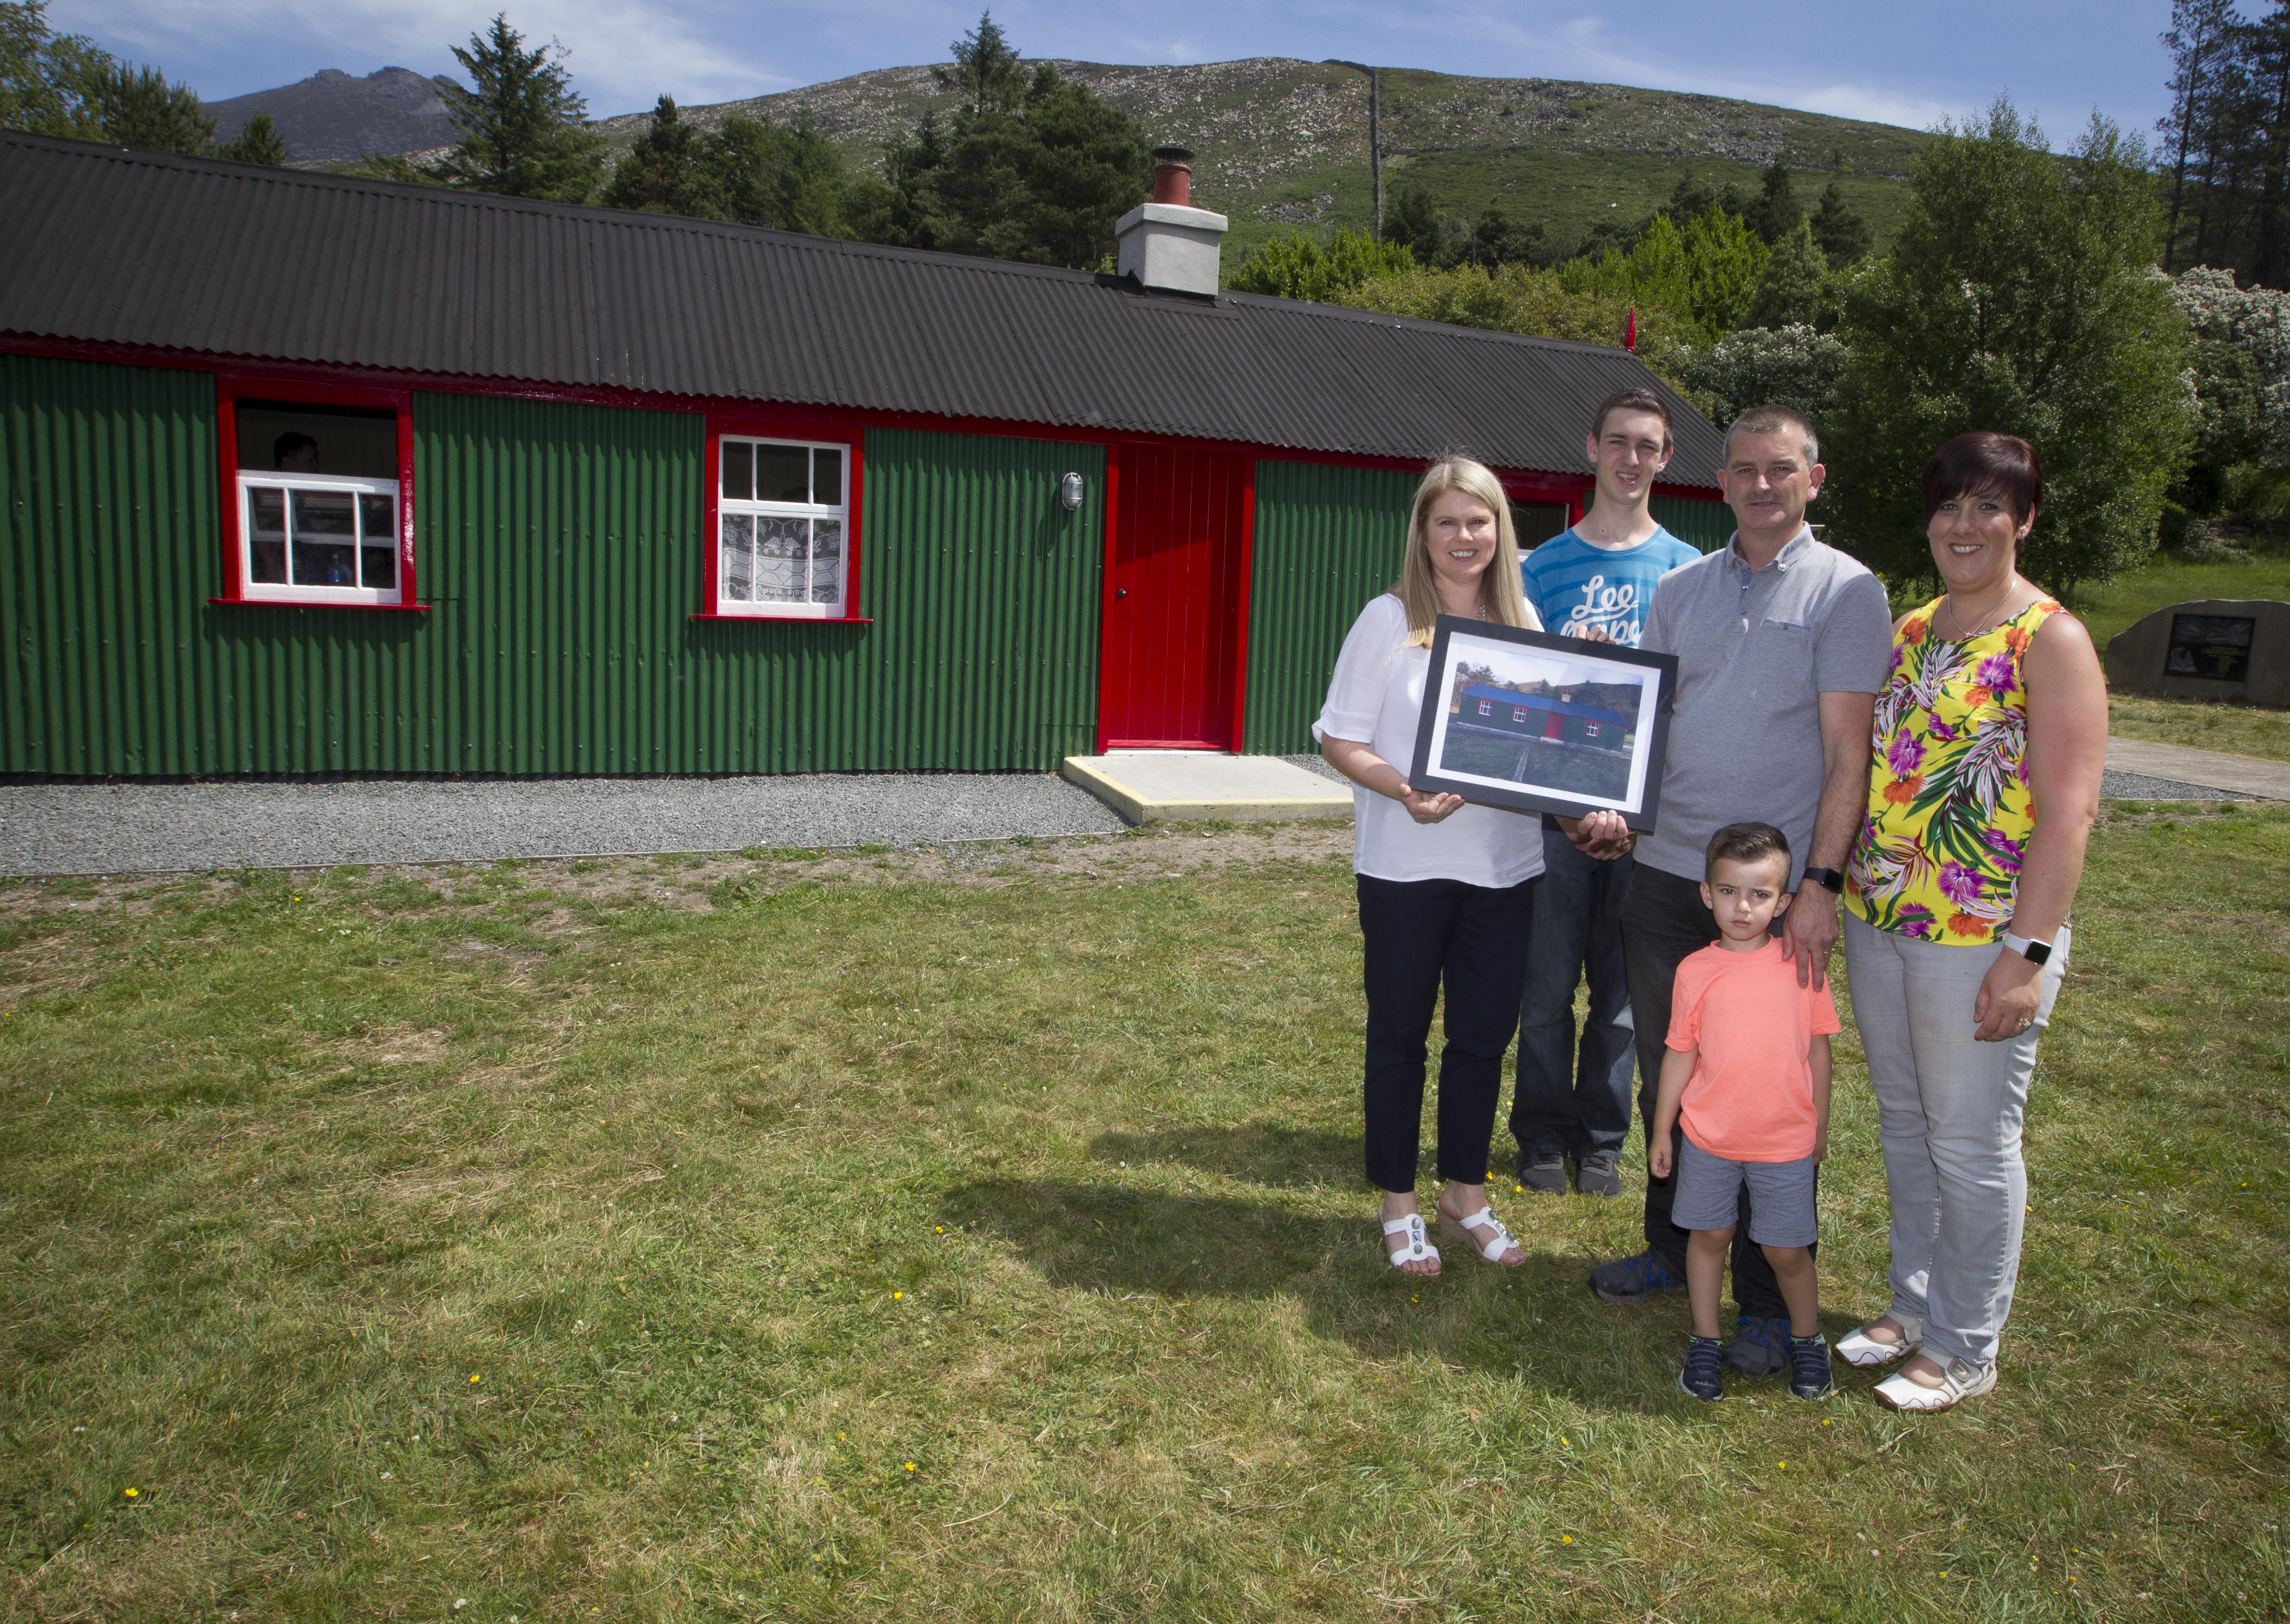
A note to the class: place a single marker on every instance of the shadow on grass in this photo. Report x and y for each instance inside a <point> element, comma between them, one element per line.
<point>1261,1153</point>
<point>1537,1320</point>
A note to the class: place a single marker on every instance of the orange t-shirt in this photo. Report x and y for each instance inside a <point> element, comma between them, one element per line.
<point>1750,1096</point>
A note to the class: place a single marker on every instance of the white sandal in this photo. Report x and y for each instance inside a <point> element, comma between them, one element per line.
<point>1490,1250</point>
<point>1864,1352</point>
<point>1958,1382</point>
<point>1417,1250</point>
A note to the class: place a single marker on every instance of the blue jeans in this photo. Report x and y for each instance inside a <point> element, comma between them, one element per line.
<point>1570,1097</point>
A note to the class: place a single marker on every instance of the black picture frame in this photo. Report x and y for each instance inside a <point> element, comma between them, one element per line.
<point>1559,757</point>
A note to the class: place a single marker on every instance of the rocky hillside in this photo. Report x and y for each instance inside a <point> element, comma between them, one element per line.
<point>1282,142</point>
<point>331,117</point>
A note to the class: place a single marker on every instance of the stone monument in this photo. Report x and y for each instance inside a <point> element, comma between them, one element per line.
<point>2235,649</point>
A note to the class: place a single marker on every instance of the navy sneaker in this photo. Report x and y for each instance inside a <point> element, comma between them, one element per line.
<point>1809,1372</point>
<point>1704,1375</point>
<point>1631,1278</point>
<point>1759,1348</point>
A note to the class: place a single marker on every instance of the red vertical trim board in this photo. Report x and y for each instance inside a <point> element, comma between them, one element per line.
<point>1247,566</point>
<point>227,449</point>
<point>1105,592</point>
<point>711,490</point>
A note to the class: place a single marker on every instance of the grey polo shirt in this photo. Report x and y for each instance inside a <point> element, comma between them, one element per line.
<point>1755,650</point>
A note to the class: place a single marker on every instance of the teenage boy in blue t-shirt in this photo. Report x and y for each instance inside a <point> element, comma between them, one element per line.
<point>1594,582</point>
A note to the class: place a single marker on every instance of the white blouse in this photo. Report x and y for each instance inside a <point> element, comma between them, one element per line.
<point>1375,699</point>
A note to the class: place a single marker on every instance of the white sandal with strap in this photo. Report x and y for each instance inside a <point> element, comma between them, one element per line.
<point>1958,1382</point>
<point>1417,1250</point>
<point>1490,1250</point>
<point>1864,1352</point>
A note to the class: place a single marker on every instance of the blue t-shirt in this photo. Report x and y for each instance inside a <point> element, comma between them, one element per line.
<point>1577,588</point>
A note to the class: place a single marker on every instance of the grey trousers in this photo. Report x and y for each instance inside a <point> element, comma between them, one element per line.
<point>1948,1112</point>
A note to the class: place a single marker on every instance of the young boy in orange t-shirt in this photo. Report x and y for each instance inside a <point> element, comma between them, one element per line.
<point>1747,1068</point>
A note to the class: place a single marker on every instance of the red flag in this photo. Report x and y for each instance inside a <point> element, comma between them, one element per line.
<point>1631,333</point>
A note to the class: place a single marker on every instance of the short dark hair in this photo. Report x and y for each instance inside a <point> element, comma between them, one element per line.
<point>1631,400</point>
<point>1985,463</point>
<point>1745,843</point>
<point>288,444</point>
<point>1774,420</point>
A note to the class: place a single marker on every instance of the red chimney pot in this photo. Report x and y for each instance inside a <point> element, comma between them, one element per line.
<point>1173,176</point>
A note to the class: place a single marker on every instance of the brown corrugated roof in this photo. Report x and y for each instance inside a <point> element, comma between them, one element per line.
<point>109,244</point>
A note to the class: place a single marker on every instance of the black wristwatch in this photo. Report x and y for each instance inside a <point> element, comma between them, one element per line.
<point>1829,878</point>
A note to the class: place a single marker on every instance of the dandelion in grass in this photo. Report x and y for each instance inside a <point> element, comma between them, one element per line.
<point>1566,1539</point>
<point>910,1466</point>
<point>132,1493</point>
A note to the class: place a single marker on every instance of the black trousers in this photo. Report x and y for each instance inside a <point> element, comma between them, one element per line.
<point>1664,923</point>
<point>1418,934</point>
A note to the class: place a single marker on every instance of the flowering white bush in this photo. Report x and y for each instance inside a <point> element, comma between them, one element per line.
<point>1759,366</point>
<point>2255,323</point>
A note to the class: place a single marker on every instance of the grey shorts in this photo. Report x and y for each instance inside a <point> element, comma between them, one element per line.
<point>1710,1190</point>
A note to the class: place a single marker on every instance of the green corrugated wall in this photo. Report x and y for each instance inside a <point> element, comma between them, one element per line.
<point>1708,525</point>
<point>560,546</point>
<point>1327,540</point>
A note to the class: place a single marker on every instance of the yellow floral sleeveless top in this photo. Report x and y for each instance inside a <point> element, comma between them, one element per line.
<point>1949,809</point>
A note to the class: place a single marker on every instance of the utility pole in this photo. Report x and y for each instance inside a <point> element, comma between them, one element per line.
<point>1374,131</point>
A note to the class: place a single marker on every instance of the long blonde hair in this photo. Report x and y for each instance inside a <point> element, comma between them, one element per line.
<point>1501,594</point>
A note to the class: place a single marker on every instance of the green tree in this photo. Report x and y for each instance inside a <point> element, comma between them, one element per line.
<point>1498,239</point>
<point>1294,265</point>
<point>1412,220</point>
<point>524,128</point>
<point>258,142</point>
<point>1775,212</point>
<point>45,76</point>
<point>1793,289</point>
<point>2021,296</point>
<point>1843,237</point>
<point>1525,300</point>
<point>136,107</point>
<point>787,176</point>
<point>1703,275</point>
<point>1036,169</point>
<point>661,172</point>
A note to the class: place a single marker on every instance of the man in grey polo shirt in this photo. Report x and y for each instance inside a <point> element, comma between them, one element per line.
<point>1781,643</point>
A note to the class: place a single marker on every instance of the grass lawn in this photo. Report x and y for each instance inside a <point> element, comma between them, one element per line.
<point>2112,607</point>
<point>981,1235</point>
<point>2239,730</point>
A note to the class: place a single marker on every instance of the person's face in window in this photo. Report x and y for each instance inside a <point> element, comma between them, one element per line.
<point>302,460</point>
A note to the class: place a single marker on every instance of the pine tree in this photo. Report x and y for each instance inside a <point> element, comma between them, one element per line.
<point>1793,289</point>
<point>1033,169</point>
<point>523,127</point>
<point>661,172</point>
<point>789,178</point>
<point>1776,211</point>
<point>2202,41</point>
<point>258,142</point>
<point>1843,237</point>
<point>136,107</point>
<point>1413,220</point>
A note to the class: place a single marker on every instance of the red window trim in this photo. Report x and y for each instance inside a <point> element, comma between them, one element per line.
<point>230,389</point>
<point>766,424</point>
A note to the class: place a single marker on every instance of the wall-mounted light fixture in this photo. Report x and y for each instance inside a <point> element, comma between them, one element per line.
<point>1069,489</point>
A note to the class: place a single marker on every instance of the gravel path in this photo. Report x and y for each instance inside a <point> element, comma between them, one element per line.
<point>128,828</point>
<point>118,828</point>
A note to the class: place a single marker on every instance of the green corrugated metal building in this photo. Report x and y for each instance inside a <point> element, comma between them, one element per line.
<point>945,515</point>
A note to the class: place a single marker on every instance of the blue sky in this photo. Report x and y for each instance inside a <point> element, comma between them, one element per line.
<point>1899,64</point>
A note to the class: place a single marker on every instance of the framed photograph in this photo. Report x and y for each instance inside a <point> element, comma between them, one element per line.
<point>1533,723</point>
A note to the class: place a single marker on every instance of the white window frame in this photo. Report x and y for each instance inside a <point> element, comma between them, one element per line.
<point>288,592</point>
<point>839,510</point>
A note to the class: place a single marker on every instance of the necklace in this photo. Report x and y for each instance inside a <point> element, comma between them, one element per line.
<point>1948,602</point>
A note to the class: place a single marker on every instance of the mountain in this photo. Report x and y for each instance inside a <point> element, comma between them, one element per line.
<point>331,117</point>
<point>1281,143</point>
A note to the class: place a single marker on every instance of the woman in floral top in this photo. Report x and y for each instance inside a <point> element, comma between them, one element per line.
<point>1991,735</point>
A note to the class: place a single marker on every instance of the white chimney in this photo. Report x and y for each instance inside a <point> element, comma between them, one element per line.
<point>1167,243</point>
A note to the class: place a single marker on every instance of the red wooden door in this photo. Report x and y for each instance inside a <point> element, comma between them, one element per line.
<point>1176,597</point>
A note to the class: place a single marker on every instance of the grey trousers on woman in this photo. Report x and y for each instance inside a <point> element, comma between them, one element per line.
<point>1948,1112</point>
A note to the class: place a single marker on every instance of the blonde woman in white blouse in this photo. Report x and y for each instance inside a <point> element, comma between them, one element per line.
<point>1446,889</point>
